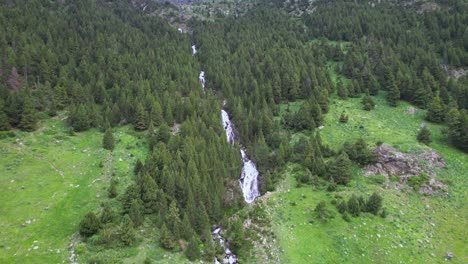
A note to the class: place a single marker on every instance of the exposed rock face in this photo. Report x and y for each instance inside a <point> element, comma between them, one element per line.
<point>391,162</point>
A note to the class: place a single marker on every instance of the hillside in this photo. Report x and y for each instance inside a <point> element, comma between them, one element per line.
<point>233,131</point>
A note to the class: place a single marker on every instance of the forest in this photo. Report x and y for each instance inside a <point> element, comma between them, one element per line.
<point>106,65</point>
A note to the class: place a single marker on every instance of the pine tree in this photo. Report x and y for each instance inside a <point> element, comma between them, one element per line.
<point>108,141</point>
<point>322,213</point>
<point>343,92</point>
<point>186,230</point>
<point>112,191</point>
<point>166,238</point>
<point>4,122</point>
<point>424,135</point>
<point>127,232</point>
<point>89,225</point>
<point>28,117</point>
<point>107,214</point>
<point>368,103</point>
<point>209,252</point>
<point>340,170</point>
<point>353,205</point>
<point>173,219</point>
<point>193,251</point>
<point>374,203</point>
<point>436,110</point>
<point>393,94</point>
<point>136,212</point>
<point>141,120</point>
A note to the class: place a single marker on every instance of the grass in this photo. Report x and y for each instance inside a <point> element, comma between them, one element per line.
<point>49,180</point>
<point>418,229</point>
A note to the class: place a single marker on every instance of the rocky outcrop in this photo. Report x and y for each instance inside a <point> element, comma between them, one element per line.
<point>391,162</point>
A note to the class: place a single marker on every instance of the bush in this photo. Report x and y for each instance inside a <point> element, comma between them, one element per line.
<point>417,181</point>
<point>322,213</point>
<point>374,203</point>
<point>424,136</point>
<point>89,225</point>
<point>343,118</point>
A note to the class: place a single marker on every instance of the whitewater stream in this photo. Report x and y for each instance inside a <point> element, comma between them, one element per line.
<point>248,179</point>
<point>249,175</point>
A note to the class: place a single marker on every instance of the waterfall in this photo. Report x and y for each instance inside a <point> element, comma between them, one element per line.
<point>201,77</point>
<point>248,179</point>
<point>194,50</point>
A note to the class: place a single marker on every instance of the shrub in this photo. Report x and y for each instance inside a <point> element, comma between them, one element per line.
<point>374,203</point>
<point>418,180</point>
<point>89,225</point>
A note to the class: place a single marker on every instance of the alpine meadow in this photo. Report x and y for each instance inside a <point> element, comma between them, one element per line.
<point>233,131</point>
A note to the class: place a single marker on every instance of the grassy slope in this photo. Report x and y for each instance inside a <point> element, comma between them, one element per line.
<point>35,161</point>
<point>417,226</point>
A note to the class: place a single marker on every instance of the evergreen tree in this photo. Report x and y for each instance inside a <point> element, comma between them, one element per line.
<point>112,191</point>
<point>173,219</point>
<point>89,225</point>
<point>322,213</point>
<point>436,110</point>
<point>127,232</point>
<point>340,170</point>
<point>193,251</point>
<point>209,252</point>
<point>424,135</point>
<point>4,123</point>
<point>166,238</point>
<point>136,212</point>
<point>374,203</point>
<point>393,94</point>
<point>28,117</point>
<point>107,214</point>
<point>353,205</point>
<point>108,141</point>
<point>368,103</point>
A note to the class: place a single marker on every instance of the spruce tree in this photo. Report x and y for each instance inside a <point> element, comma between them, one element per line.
<point>374,203</point>
<point>112,191</point>
<point>107,214</point>
<point>108,141</point>
<point>89,225</point>
<point>393,94</point>
<point>127,232</point>
<point>424,135</point>
<point>4,122</point>
<point>340,170</point>
<point>166,238</point>
<point>28,117</point>
<point>193,251</point>
<point>353,206</point>
<point>436,110</point>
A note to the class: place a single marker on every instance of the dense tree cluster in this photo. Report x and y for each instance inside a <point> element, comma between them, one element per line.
<point>399,49</point>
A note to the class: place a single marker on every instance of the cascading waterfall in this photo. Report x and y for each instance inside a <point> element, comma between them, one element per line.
<point>248,179</point>
<point>194,50</point>
<point>201,77</point>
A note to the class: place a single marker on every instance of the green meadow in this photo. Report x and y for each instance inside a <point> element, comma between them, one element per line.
<point>49,180</point>
<point>417,229</point>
